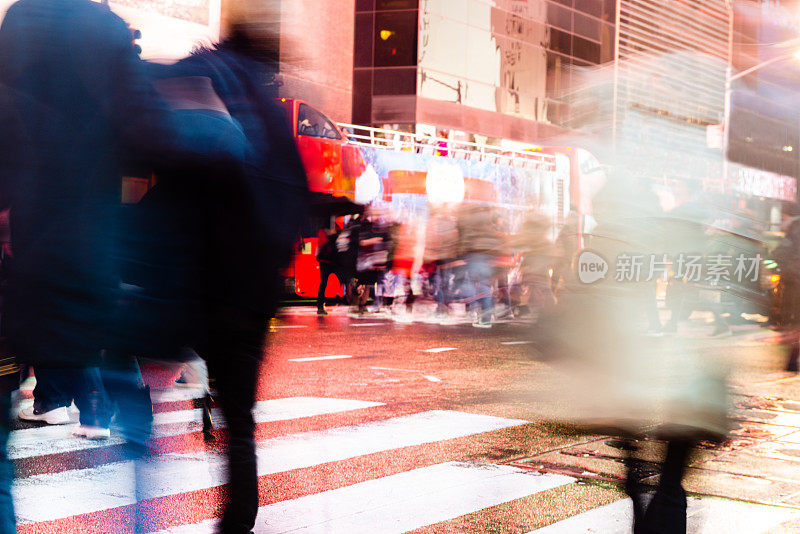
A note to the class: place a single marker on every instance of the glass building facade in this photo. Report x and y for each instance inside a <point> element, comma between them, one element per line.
<point>471,64</point>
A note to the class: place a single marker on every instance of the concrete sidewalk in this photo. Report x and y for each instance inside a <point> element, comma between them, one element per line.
<point>759,463</point>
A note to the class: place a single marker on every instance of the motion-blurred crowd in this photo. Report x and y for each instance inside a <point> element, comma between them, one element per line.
<point>461,257</point>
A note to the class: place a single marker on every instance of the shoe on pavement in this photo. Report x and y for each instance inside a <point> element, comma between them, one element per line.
<point>321,311</point>
<point>57,416</point>
<point>91,432</point>
<point>482,324</point>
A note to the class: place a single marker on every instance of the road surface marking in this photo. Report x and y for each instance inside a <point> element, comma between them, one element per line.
<point>516,343</point>
<point>439,349</point>
<point>429,378</point>
<point>175,394</point>
<point>320,358</point>
<point>367,324</point>
<point>393,369</point>
<point>95,489</point>
<point>44,440</point>
<point>705,516</point>
<point>398,503</point>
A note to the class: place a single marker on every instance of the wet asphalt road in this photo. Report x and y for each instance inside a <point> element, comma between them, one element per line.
<point>365,424</point>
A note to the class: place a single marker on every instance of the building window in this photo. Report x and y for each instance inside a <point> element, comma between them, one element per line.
<point>389,5</point>
<point>365,5</point>
<point>396,39</point>
<point>586,50</point>
<point>362,53</point>
<point>560,41</point>
<point>395,82</point>
<point>362,96</point>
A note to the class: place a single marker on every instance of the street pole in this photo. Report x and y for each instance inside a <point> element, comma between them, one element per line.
<point>726,110</point>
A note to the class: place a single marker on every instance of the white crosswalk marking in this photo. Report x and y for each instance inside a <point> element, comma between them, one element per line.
<point>704,516</point>
<point>321,358</point>
<point>390,504</point>
<point>39,441</point>
<point>174,394</point>
<point>398,503</point>
<point>103,487</point>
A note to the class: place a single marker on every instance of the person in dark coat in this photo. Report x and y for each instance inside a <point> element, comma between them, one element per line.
<point>231,230</point>
<point>78,112</point>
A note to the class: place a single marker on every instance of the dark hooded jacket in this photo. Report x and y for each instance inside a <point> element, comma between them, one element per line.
<point>76,109</point>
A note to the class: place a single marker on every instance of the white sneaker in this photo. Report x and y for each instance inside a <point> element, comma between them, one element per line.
<point>58,416</point>
<point>91,432</point>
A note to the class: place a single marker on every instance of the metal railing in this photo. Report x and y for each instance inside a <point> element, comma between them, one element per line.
<point>449,148</point>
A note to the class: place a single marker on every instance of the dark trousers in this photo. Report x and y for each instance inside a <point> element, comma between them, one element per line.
<point>326,269</point>
<point>7,522</point>
<point>666,512</point>
<point>234,353</point>
<point>59,386</point>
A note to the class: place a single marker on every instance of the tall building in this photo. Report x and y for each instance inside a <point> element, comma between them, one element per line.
<point>765,110</point>
<point>667,86</point>
<point>480,66</point>
<point>658,103</point>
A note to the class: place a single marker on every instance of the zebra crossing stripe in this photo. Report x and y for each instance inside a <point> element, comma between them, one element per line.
<point>173,394</point>
<point>109,486</point>
<point>398,503</point>
<point>31,442</point>
<point>321,358</point>
<point>705,515</point>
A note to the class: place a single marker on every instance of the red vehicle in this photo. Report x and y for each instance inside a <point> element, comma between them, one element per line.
<point>332,166</point>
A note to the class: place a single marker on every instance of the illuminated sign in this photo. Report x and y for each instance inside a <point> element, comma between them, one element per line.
<point>765,184</point>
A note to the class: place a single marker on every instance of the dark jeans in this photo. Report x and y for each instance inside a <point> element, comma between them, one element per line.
<point>441,284</point>
<point>481,280</point>
<point>7,523</point>
<point>234,354</point>
<point>59,386</point>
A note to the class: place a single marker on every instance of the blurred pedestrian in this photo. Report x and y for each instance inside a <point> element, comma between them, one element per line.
<point>787,255</point>
<point>478,244</point>
<point>256,210</point>
<point>83,113</point>
<point>618,381</point>
<point>82,108</point>
<point>326,258</point>
<point>441,251</point>
<point>539,256</point>
<point>375,253</point>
